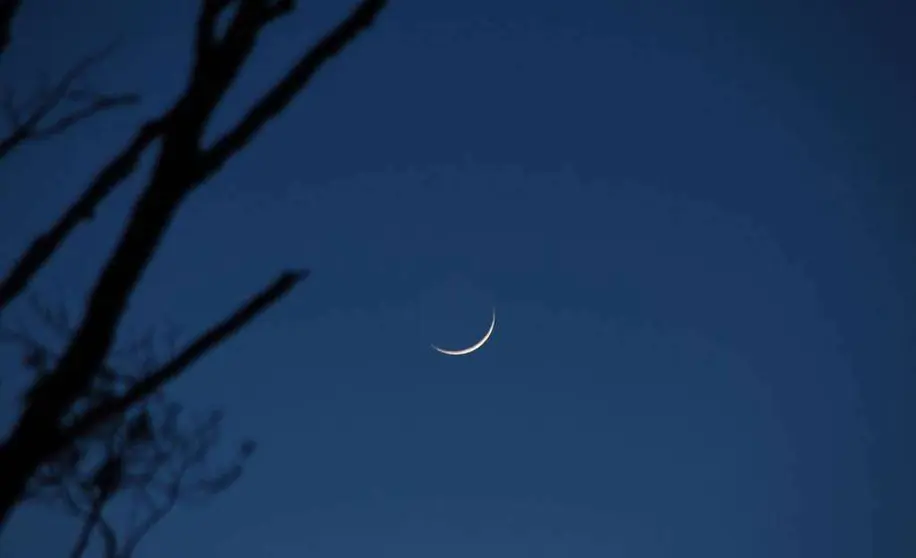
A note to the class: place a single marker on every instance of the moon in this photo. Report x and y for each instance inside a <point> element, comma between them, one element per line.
<point>473,347</point>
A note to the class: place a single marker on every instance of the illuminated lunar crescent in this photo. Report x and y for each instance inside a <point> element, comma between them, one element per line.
<point>473,347</point>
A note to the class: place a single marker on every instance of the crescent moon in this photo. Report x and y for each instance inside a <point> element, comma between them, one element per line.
<point>473,347</point>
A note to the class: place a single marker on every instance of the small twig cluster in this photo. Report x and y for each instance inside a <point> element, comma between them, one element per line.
<point>141,463</point>
<point>85,424</point>
<point>57,107</point>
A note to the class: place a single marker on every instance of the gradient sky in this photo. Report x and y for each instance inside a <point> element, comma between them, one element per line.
<point>694,220</point>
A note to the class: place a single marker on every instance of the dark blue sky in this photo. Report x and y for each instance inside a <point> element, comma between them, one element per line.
<point>694,220</point>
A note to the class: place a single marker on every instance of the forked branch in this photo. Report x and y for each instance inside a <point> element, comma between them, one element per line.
<point>182,165</point>
<point>36,120</point>
<point>204,343</point>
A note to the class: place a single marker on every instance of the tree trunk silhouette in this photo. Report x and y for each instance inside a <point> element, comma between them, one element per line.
<point>47,424</point>
<point>8,10</point>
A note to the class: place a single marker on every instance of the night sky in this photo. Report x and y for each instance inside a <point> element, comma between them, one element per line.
<point>694,221</point>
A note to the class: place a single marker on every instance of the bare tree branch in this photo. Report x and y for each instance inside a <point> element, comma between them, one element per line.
<point>32,129</point>
<point>145,461</point>
<point>279,96</point>
<point>204,343</point>
<point>210,11</point>
<point>99,103</point>
<point>8,10</point>
<point>181,166</point>
<point>44,246</point>
<point>89,525</point>
<point>32,123</point>
<point>109,538</point>
<point>159,471</point>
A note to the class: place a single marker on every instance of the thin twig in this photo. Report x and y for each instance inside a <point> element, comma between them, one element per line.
<point>193,352</point>
<point>30,124</point>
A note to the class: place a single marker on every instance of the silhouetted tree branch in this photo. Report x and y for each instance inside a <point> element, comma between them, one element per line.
<point>142,462</point>
<point>170,465</point>
<point>35,119</point>
<point>83,209</point>
<point>49,424</point>
<point>217,62</point>
<point>8,11</point>
<point>279,97</point>
<point>181,362</point>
